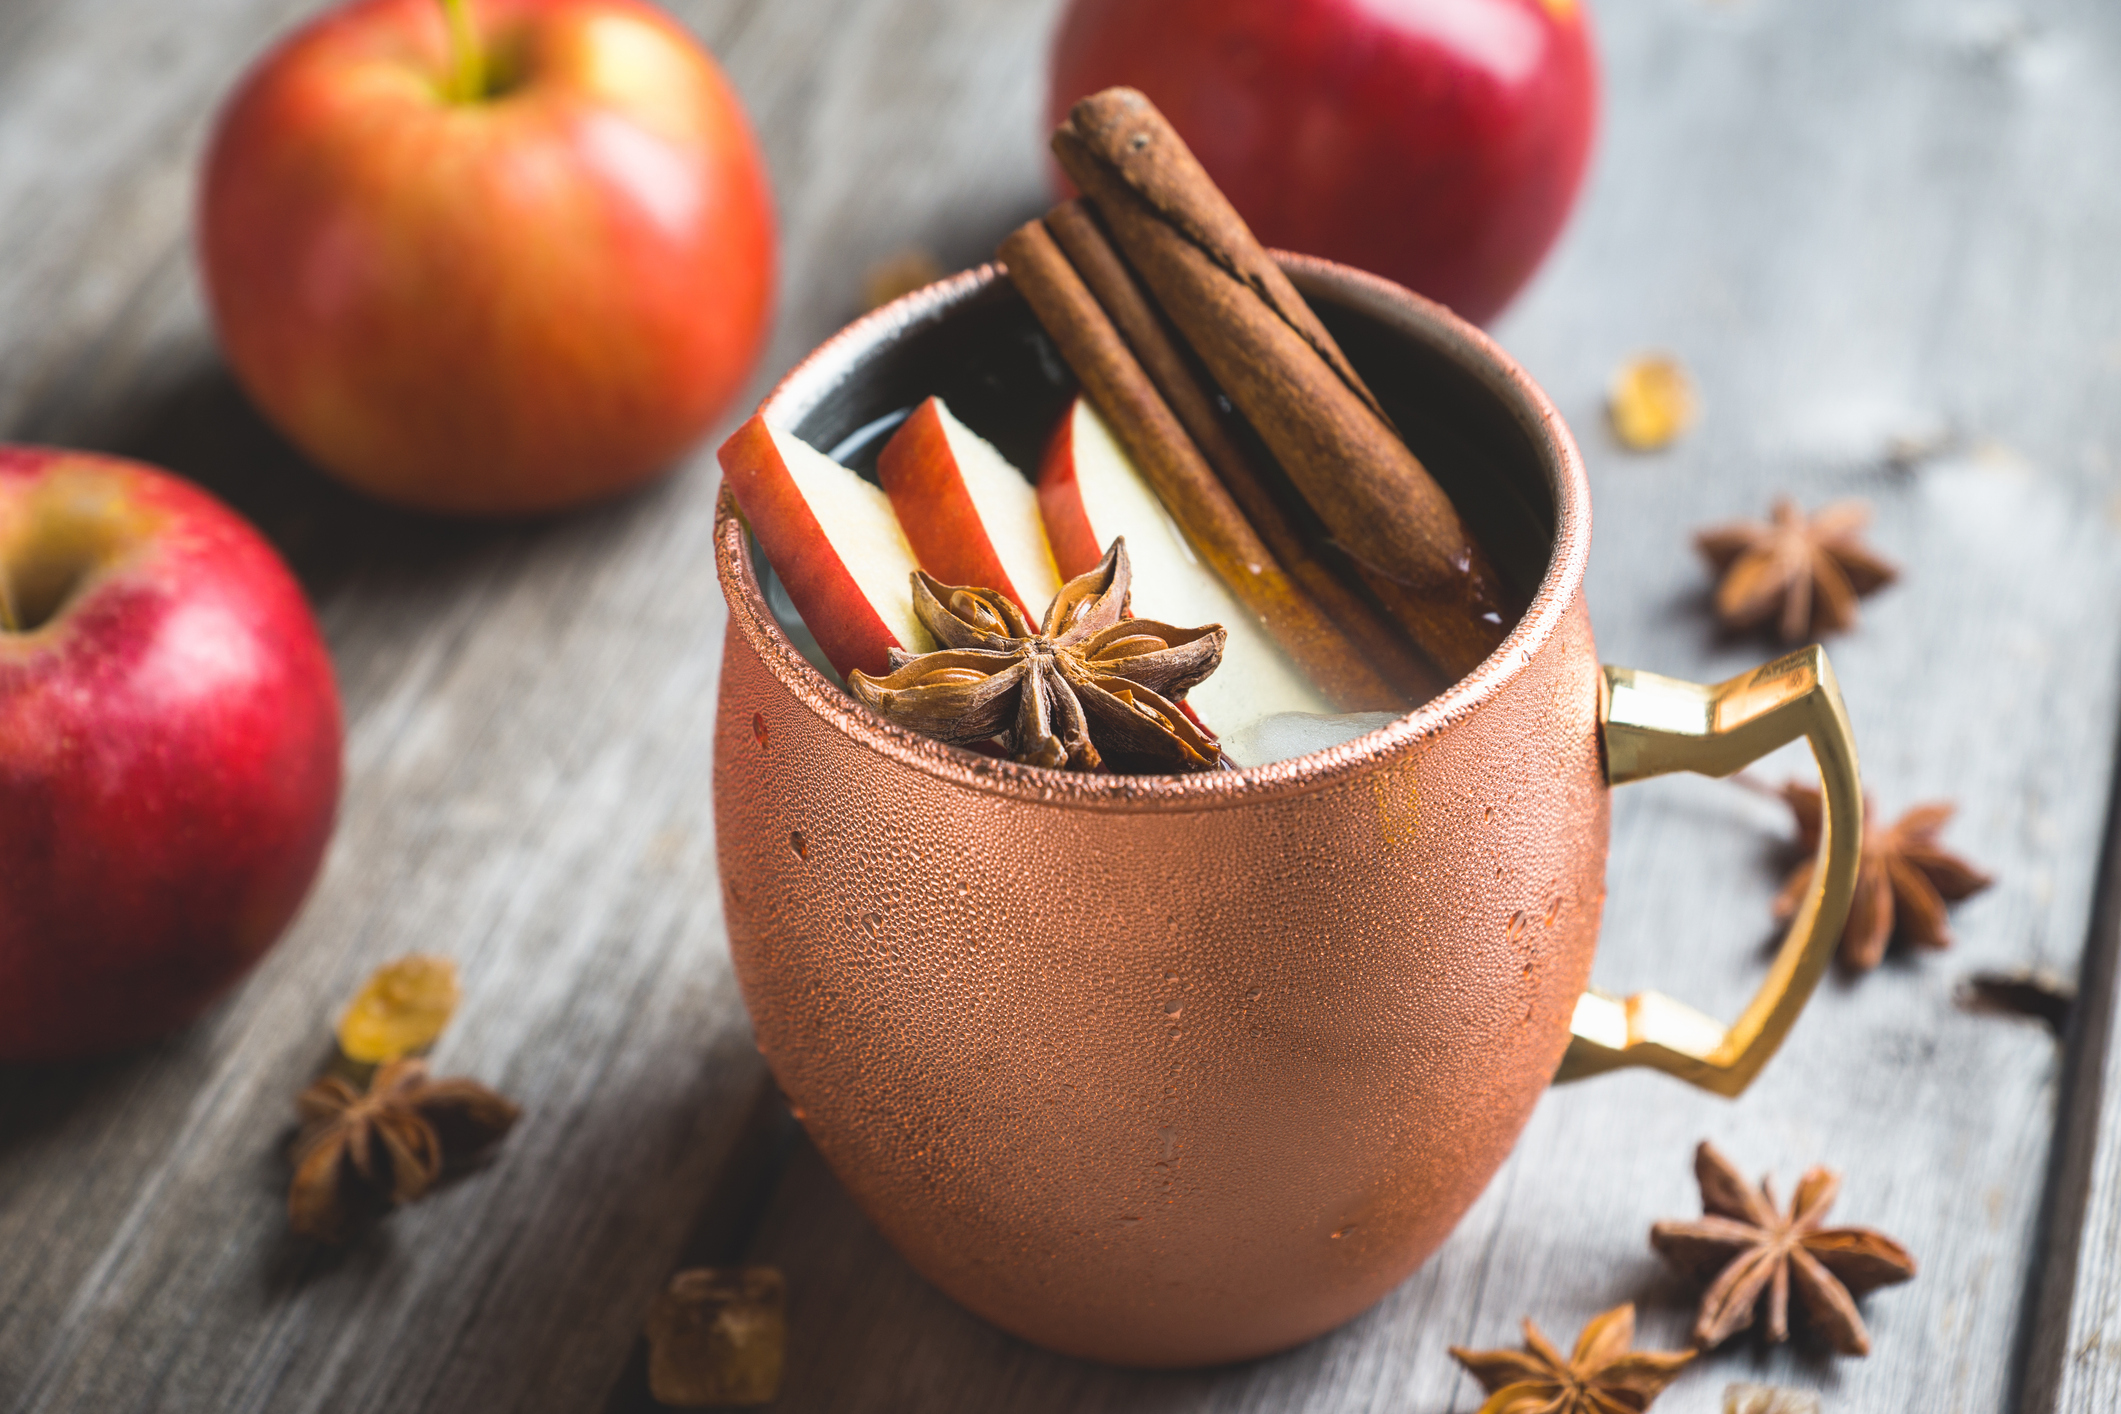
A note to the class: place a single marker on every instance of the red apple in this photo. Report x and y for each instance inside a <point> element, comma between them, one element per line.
<point>169,752</point>
<point>1091,493</point>
<point>1439,143</point>
<point>500,266</point>
<point>833,540</point>
<point>970,516</point>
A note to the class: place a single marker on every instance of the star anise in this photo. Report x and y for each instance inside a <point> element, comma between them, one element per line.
<point>359,1154</point>
<point>1903,882</point>
<point>1602,1375</point>
<point>1742,1247</point>
<point>1089,687</point>
<point>1801,574</point>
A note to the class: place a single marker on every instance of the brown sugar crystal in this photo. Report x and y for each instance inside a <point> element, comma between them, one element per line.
<point>716,1338</point>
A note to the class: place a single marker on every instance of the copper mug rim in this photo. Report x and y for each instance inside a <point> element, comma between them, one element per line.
<point>819,375</point>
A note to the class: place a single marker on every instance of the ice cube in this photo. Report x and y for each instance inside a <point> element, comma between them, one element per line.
<point>1281,735</point>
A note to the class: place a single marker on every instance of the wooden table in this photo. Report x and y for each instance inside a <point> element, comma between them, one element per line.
<point>1881,235</point>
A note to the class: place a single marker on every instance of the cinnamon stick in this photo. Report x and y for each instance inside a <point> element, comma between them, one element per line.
<point>1274,359</point>
<point>1167,458</point>
<point>1114,288</point>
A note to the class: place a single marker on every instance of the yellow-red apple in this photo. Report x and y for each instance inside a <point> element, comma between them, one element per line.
<point>970,516</point>
<point>489,256</point>
<point>835,543</point>
<point>169,752</point>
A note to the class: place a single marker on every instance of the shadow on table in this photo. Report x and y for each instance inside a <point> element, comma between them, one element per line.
<point>36,1100</point>
<point>202,427</point>
<point>866,1332</point>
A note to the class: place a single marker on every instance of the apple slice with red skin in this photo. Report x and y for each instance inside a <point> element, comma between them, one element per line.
<point>971,517</point>
<point>169,752</point>
<point>835,543</point>
<point>1089,492</point>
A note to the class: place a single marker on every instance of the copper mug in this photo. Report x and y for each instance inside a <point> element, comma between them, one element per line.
<point>1169,1071</point>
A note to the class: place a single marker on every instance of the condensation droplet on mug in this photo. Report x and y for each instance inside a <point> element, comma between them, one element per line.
<point>1553,911</point>
<point>873,925</point>
<point>1170,976</point>
<point>1487,813</point>
<point>758,728</point>
<point>797,843</point>
<point>1343,1232</point>
<point>1174,1007</point>
<point>1518,920</point>
<point>1169,1136</point>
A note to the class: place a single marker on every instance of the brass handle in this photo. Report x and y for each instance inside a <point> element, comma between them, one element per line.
<point>1654,725</point>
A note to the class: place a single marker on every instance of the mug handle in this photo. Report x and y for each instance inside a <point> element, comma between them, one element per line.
<point>1653,725</point>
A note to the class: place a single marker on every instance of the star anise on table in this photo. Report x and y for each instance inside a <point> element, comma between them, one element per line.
<point>1089,687</point>
<point>359,1154</point>
<point>1903,883</point>
<point>1801,574</point>
<point>1601,1376</point>
<point>1743,1248</point>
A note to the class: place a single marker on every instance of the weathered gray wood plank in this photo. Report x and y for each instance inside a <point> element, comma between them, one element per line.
<point>2073,1317</point>
<point>1857,225</point>
<point>529,714</point>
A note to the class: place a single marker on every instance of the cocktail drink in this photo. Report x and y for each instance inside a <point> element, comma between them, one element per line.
<point>1160,1022</point>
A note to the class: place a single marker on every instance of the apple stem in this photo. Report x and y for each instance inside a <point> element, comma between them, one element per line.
<point>467,59</point>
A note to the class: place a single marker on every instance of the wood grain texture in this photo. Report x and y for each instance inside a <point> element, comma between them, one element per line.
<point>1856,224</point>
<point>529,728</point>
<point>2072,1355</point>
<point>1857,227</point>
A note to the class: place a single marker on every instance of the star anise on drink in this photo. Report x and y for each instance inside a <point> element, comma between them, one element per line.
<point>1800,574</point>
<point>360,1154</point>
<point>1089,687</point>
<point>1602,1375</point>
<point>1903,883</point>
<point>1744,1249</point>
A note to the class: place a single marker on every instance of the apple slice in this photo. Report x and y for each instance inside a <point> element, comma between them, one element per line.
<point>833,540</point>
<point>971,517</point>
<point>1090,492</point>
